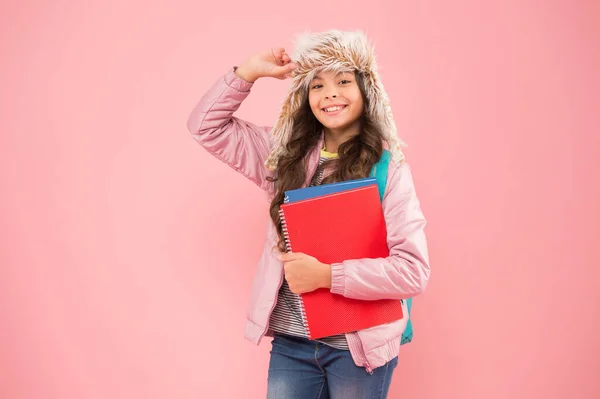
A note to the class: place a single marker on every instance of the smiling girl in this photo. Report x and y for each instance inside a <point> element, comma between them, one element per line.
<point>335,124</point>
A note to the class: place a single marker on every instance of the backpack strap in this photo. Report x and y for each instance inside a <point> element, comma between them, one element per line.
<point>407,335</point>
<point>380,172</point>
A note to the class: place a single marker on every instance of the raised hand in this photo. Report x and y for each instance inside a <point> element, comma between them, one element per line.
<point>274,62</point>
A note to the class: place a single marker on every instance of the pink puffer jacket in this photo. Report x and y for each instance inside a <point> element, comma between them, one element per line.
<point>245,147</point>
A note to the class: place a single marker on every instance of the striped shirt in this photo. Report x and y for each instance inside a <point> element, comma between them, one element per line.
<point>287,315</point>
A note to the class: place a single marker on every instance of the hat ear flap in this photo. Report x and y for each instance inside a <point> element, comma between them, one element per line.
<point>380,111</point>
<point>282,131</point>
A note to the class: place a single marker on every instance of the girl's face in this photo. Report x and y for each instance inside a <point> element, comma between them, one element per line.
<point>335,100</point>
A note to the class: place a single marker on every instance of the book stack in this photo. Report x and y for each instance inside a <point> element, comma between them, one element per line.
<point>337,222</point>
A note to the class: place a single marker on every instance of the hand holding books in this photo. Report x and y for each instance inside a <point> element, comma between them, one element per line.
<point>304,273</point>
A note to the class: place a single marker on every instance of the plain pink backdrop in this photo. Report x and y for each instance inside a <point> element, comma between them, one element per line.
<point>127,251</point>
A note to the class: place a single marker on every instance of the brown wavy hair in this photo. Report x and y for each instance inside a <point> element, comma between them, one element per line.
<point>356,156</point>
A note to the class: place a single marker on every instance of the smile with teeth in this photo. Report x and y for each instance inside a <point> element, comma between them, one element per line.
<point>334,109</point>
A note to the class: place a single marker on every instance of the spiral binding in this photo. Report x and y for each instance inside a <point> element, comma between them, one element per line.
<point>288,246</point>
<point>286,235</point>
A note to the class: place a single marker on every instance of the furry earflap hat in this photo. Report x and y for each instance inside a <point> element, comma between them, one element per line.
<point>334,51</point>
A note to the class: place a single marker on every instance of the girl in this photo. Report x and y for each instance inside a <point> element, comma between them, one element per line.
<point>332,127</point>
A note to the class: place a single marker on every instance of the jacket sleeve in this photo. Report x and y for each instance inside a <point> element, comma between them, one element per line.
<point>405,272</point>
<point>240,144</point>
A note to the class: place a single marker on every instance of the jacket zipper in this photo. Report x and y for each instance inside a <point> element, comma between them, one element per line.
<point>367,365</point>
<point>272,307</point>
<point>362,354</point>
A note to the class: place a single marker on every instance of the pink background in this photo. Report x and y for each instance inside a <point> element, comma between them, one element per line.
<point>127,251</point>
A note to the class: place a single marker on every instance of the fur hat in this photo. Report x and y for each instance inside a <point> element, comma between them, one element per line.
<point>335,51</point>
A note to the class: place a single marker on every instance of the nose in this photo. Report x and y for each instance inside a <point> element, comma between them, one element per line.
<point>331,93</point>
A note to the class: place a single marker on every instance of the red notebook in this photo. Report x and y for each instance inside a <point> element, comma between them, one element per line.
<point>334,228</point>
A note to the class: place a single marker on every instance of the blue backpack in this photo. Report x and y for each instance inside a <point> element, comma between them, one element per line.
<point>380,171</point>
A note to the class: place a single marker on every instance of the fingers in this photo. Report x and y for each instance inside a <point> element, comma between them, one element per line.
<point>290,68</point>
<point>284,66</point>
<point>278,55</point>
<point>284,72</point>
<point>284,257</point>
<point>290,256</point>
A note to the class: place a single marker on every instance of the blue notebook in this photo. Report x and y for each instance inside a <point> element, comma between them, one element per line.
<point>324,189</point>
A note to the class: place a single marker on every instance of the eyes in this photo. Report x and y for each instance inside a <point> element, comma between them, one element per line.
<point>318,86</point>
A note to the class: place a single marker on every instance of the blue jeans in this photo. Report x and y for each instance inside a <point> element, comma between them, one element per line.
<point>303,369</point>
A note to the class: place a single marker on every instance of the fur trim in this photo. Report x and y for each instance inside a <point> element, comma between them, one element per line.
<point>334,51</point>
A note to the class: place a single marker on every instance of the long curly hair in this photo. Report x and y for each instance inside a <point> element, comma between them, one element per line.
<point>356,156</point>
